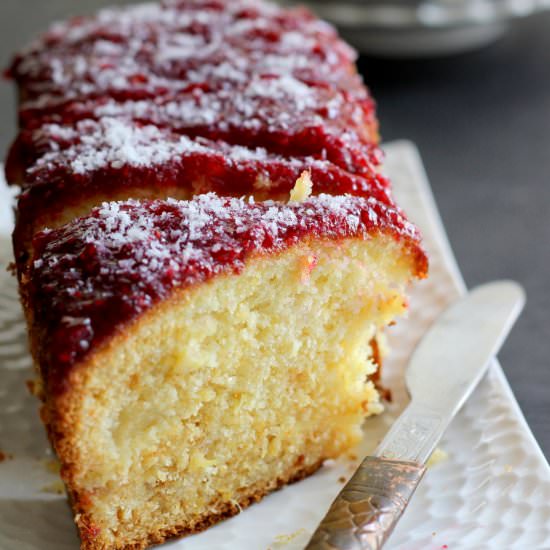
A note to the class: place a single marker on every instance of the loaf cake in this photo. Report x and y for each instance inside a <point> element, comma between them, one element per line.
<point>207,253</point>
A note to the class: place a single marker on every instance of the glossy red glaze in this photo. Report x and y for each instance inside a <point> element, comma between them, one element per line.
<point>253,93</point>
<point>239,71</point>
<point>58,180</point>
<point>92,276</point>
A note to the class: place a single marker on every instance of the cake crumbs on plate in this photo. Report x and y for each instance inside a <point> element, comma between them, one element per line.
<point>302,188</point>
<point>281,540</point>
<point>56,488</point>
<point>34,386</point>
<point>52,465</point>
<point>439,455</point>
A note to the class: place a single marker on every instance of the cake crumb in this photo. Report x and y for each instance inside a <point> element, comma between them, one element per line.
<point>56,488</point>
<point>342,479</point>
<point>286,539</point>
<point>34,386</point>
<point>5,456</point>
<point>309,263</point>
<point>52,465</point>
<point>302,188</point>
<point>439,455</point>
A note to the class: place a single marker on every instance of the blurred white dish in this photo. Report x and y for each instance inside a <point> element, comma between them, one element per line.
<point>422,28</point>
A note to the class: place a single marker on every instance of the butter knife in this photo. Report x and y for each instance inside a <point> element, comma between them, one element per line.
<point>444,369</point>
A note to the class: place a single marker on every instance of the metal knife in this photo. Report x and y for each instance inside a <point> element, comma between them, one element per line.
<point>444,369</point>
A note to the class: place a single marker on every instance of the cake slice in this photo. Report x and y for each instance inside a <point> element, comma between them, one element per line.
<point>195,355</point>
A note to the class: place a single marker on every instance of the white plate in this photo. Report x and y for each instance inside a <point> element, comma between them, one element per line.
<point>493,491</point>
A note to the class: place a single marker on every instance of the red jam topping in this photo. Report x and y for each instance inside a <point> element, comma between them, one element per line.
<point>234,96</point>
<point>112,154</point>
<point>95,274</point>
<point>238,71</point>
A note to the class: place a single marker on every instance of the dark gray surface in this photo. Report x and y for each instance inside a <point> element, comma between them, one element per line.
<point>482,124</point>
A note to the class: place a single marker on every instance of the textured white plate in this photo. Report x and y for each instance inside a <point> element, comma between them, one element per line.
<point>493,491</point>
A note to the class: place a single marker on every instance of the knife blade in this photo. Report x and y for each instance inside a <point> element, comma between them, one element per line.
<point>443,371</point>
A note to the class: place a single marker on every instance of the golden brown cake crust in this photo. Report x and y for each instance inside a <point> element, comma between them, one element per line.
<point>225,510</point>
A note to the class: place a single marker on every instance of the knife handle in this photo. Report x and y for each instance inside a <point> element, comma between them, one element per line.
<point>365,512</point>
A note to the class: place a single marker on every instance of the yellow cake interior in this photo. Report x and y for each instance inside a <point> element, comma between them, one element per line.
<point>230,388</point>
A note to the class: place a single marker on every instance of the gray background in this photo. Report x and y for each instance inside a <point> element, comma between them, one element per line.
<point>482,123</point>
